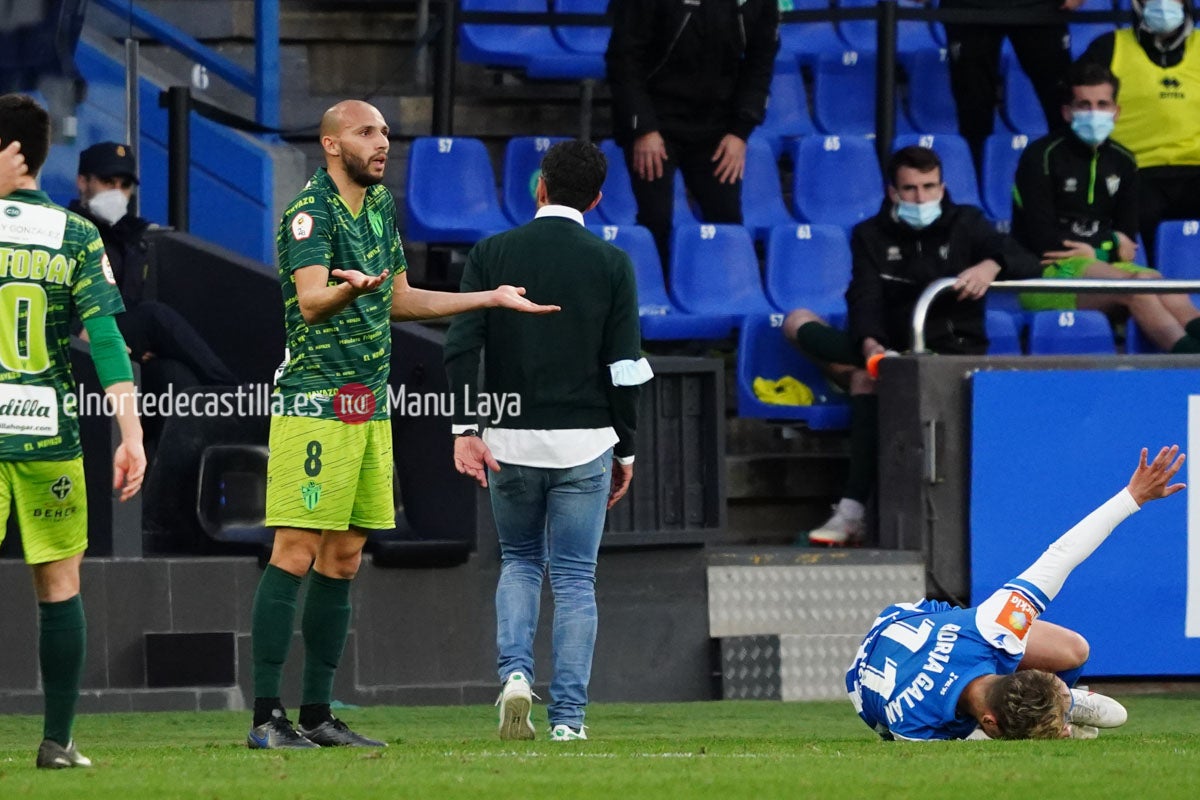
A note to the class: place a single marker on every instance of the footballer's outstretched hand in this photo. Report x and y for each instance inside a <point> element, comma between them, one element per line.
<point>1152,480</point>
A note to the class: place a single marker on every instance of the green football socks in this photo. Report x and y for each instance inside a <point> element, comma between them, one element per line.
<point>62,646</point>
<point>325,624</point>
<point>271,625</point>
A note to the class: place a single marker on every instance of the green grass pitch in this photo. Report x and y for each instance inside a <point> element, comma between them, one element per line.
<point>720,750</point>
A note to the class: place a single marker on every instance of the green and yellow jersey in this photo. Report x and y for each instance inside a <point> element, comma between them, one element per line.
<point>354,345</point>
<point>52,265</point>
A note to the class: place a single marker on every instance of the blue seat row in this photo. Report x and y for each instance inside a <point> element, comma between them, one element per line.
<point>835,180</point>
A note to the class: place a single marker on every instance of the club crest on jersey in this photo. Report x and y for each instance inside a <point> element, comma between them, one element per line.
<point>376,222</point>
<point>302,226</point>
<point>106,268</point>
<point>1017,616</point>
<point>1113,182</point>
<point>310,493</point>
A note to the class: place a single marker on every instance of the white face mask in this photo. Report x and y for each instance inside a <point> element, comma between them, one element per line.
<point>109,205</point>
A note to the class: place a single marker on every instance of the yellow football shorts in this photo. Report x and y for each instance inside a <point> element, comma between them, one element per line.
<point>51,507</point>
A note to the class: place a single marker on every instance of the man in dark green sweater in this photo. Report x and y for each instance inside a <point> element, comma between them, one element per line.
<point>562,393</point>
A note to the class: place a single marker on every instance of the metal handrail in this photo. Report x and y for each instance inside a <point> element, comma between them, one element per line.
<point>262,84</point>
<point>1073,285</point>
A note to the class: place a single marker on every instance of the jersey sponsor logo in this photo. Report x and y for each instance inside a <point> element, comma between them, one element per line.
<point>61,487</point>
<point>893,254</point>
<point>39,225</point>
<point>1017,616</point>
<point>106,268</point>
<point>1070,185</point>
<point>28,410</point>
<point>302,227</point>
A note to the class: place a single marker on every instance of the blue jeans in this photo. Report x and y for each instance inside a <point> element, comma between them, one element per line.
<point>559,512</point>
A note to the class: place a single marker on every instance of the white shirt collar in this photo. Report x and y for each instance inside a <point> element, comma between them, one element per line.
<point>560,211</point>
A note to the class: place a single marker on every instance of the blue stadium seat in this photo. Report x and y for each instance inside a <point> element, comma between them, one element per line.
<point>808,266</point>
<point>1082,33</point>
<point>860,35</point>
<point>787,111</point>
<point>957,167</point>
<point>1001,153</point>
<point>522,166</point>
<point>578,39</point>
<point>451,191</point>
<point>617,206</point>
<point>762,194</point>
<point>1003,337</point>
<point>931,106</point>
<point>764,353</point>
<point>661,319</point>
<point>806,41</point>
<point>836,180</point>
<point>531,47</point>
<point>1021,107</point>
<point>1177,253</point>
<point>714,270</point>
<point>844,93</point>
<point>1070,333</point>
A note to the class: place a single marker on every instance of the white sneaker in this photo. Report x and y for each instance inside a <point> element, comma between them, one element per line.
<point>1084,731</point>
<point>837,532</point>
<point>1096,710</point>
<point>515,702</point>
<point>564,733</point>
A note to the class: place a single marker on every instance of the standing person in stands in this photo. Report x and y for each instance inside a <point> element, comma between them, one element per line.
<point>54,268</point>
<point>689,82</point>
<point>1075,205</point>
<point>329,476</point>
<point>918,236</point>
<point>153,330</point>
<point>1044,52</point>
<point>1158,63</point>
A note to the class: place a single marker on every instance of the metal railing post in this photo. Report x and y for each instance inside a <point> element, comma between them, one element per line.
<point>266,62</point>
<point>179,108</point>
<point>1057,285</point>
<point>443,75</point>
<point>133,123</point>
<point>885,79</point>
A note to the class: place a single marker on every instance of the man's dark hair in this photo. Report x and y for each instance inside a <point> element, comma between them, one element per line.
<point>574,171</point>
<point>23,120</point>
<point>922,159</point>
<point>1088,73</point>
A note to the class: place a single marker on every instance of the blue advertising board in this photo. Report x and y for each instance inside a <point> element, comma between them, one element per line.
<point>1049,447</point>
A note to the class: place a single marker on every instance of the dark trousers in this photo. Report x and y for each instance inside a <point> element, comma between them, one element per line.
<point>1165,193</point>
<point>719,202</point>
<point>154,328</point>
<point>1043,52</point>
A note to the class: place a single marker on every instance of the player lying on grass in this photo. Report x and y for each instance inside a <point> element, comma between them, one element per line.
<point>930,670</point>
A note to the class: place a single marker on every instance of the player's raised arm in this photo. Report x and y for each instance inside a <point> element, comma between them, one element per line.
<point>1150,481</point>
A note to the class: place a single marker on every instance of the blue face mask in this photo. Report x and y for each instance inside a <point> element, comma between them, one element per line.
<point>1092,127</point>
<point>918,215</point>
<point>1162,16</point>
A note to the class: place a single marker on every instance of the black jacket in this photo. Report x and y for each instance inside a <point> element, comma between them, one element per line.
<point>125,246</point>
<point>690,68</point>
<point>1165,52</point>
<point>893,263</point>
<point>1066,189</point>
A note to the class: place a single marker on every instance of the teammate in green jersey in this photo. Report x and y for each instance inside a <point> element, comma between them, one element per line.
<point>52,266</point>
<point>329,477</point>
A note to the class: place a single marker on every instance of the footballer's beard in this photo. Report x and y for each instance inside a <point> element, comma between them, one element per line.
<point>359,170</point>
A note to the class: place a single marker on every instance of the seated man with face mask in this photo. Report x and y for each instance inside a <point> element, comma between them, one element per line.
<point>918,236</point>
<point>1075,204</point>
<point>154,331</point>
